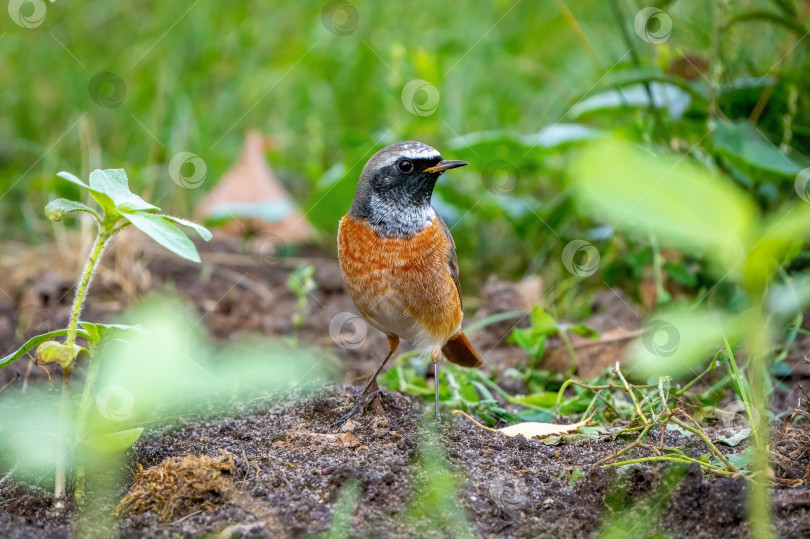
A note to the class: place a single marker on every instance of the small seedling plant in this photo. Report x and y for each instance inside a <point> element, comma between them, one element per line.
<point>302,283</point>
<point>117,209</point>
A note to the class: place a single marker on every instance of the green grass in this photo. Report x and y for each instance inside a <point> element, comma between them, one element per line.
<point>198,75</point>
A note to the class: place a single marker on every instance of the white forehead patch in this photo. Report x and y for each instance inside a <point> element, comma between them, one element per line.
<point>413,151</point>
<point>419,151</point>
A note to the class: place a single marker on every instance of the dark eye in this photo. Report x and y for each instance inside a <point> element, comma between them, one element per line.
<point>405,166</point>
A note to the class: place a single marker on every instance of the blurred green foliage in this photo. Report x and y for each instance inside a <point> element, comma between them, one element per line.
<point>520,85</point>
<point>164,370</point>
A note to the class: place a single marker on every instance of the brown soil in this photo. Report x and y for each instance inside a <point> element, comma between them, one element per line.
<point>278,470</point>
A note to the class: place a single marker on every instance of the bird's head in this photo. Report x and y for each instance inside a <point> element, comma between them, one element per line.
<point>393,194</point>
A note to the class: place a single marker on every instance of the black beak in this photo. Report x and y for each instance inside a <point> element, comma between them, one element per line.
<point>446,165</point>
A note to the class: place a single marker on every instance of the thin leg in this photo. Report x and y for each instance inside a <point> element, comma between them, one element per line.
<point>436,356</point>
<point>363,400</point>
<point>436,382</point>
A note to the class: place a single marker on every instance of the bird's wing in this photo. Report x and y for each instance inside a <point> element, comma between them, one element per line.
<point>452,258</point>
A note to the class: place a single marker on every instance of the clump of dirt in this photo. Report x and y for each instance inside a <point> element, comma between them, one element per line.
<point>180,485</point>
<point>790,449</point>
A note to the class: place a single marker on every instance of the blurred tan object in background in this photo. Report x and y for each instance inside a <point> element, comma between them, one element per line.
<point>249,199</point>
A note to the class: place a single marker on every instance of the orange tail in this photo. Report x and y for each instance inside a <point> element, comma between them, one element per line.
<point>458,350</point>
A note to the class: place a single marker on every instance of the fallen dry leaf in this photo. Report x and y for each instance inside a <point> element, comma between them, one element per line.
<point>346,439</point>
<point>531,429</point>
<point>540,430</point>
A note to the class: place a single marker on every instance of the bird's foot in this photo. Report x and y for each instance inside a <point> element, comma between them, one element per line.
<point>358,408</point>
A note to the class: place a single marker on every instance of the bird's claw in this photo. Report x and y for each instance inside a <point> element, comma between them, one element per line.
<point>358,408</point>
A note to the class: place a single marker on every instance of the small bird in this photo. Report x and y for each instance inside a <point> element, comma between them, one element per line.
<point>399,261</point>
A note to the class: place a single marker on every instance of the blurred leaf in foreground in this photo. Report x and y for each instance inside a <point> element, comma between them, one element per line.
<point>169,362</point>
<point>677,341</point>
<point>163,370</point>
<point>677,200</point>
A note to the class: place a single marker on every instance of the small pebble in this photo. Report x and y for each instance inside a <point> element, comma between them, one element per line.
<point>279,436</point>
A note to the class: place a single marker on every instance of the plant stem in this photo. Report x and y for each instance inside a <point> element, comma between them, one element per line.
<point>64,405</point>
<point>682,459</point>
<point>81,425</point>
<point>84,284</point>
<point>746,400</point>
<point>632,395</point>
<point>759,495</point>
<point>61,450</point>
<point>702,435</point>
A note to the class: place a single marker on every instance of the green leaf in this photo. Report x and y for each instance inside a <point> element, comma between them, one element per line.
<point>99,332</point>
<point>542,322</point>
<point>57,209</point>
<point>575,477</point>
<point>114,184</point>
<point>664,96</point>
<point>680,341</point>
<point>204,233</point>
<point>772,241</point>
<point>546,399</point>
<point>742,142</point>
<point>680,274</point>
<point>597,430</point>
<point>72,179</point>
<point>675,199</point>
<point>165,233</point>
<point>36,341</point>
<point>523,338</point>
<point>104,201</point>
<point>115,442</point>
<point>739,460</point>
<point>539,416</point>
<point>790,298</point>
<point>585,331</point>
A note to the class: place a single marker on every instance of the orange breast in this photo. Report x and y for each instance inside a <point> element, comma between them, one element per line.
<point>402,286</point>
